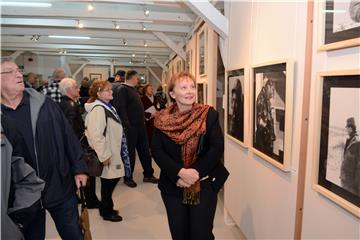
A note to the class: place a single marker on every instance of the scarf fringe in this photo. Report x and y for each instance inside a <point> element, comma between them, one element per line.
<point>191,198</point>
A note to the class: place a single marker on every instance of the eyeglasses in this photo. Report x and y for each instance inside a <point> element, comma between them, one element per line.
<point>13,71</point>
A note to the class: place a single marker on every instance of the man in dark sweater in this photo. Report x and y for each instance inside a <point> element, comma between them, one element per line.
<point>129,106</point>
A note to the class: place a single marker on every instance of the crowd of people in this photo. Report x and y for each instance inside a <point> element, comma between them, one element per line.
<point>51,126</point>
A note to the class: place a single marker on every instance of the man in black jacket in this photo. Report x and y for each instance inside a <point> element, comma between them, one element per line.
<point>55,152</point>
<point>72,110</point>
<point>129,106</point>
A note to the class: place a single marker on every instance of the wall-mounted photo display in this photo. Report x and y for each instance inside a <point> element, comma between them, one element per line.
<point>202,51</point>
<point>142,79</point>
<point>342,24</point>
<point>237,105</point>
<point>271,112</point>
<point>179,66</point>
<point>337,143</point>
<point>201,93</point>
<point>188,61</point>
<point>95,76</point>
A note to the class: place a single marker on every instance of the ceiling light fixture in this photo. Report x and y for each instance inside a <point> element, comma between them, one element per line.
<point>25,4</point>
<point>146,12</point>
<point>69,37</point>
<point>91,7</point>
<point>35,38</point>
<point>143,27</point>
<point>133,55</point>
<point>79,24</point>
<point>145,44</point>
<point>117,26</point>
<point>124,42</point>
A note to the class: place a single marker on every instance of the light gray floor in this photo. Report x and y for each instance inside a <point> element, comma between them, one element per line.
<point>143,213</point>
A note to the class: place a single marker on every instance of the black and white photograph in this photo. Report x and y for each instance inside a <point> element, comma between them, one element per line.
<point>269,110</point>
<point>201,92</point>
<point>235,104</point>
<point>342,23</point>
<point>202,59</point>
<point>188,61</point>
<point>339,168</point>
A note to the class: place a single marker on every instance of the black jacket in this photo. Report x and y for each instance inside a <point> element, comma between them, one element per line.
<point>59,155</point>
<point>72,112</point>
<point>167,154</point>
<point>128,105</point>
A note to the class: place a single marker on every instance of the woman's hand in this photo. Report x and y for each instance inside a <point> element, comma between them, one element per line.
<point>190,175</point>
<point>181,183</point>
<point>107,162</point>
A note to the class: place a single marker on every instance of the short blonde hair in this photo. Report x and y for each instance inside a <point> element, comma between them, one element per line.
<point>177,78</point>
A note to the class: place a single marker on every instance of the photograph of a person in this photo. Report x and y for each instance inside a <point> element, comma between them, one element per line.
<point>339,168</point>
<point>235,104</point>
<point>269,110</point>
<point>342,22</point>
<point>201,57</point>
<point>200,93</point>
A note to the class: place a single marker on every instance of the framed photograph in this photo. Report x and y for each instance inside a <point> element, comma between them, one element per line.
<point>201,93</point>
<point>237,91</point>
<point>342,24</point>
<point>202,44</point>
<point>178,66</point>
<point>95,76</point>
<point>188,61</point>
<point>337,144</point>
<point>142,79</point>
<point>271,112</point>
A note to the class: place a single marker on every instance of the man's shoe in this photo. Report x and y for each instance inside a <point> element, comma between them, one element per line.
<point>112,212</point>
<point>130,183</point>
<point>113,217</point>
<point>151,179</point>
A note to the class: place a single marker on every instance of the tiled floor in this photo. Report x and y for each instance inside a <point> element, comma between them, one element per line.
<point>144,216</point>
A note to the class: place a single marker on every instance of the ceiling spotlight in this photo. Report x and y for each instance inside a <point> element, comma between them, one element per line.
<point>117,26</point>
<point>130,62</point>
<point>79,24</point>
<point>144,61</point>
<point>124,42</point>
<point>143,27</point>
<point>133,55</point>
<point>145,44</point>
<point>146,12</point>
<point>91,7</point>
<point>62,51</point>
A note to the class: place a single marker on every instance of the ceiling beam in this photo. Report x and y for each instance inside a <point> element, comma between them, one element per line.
<point>211,15</point>
<point>20,31</point>
<point>158,62</point>
<point>179,51</point>
<point>154,74</point>
<point>94,24</point>
<point>77,11</point>
<point>78,70</point>
<point>15,55</point>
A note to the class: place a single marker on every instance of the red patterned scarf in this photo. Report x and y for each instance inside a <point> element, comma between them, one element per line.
<point>185,128</point>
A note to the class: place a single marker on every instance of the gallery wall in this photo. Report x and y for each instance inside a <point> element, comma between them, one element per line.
<point>259,197</point>
<point>322,217</point>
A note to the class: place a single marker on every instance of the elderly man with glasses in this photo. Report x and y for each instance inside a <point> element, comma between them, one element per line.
<point>55,152</point>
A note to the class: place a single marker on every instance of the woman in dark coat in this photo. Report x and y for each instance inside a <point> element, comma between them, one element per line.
<point>150,107</point>
<point>187,145</point>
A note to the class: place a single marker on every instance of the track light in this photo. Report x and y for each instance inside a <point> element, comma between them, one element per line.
<point>124,42</point>
<point>91,7</point>
<point>133,55</point>
<point>145,44</point>
<point>143,27</point>
<point>79,24</point>
<point>35,38</point>
<point>146,12</point>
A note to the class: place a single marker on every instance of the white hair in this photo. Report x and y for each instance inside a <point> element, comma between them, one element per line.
<point>64,84</point>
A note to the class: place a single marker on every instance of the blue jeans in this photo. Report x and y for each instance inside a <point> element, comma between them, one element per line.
<point>66,218</point>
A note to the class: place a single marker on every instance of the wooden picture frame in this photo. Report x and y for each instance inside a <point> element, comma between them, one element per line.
<point>234,77</point>
<point>339,27</point>
<point>188,61</point>
<point>202,51</point>
<point>94,76</point>
<point>271,111</point>
<point>330,177</point>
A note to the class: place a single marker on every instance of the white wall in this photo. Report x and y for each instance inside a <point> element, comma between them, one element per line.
<point>259,197</point>
<point>103,70</point>
<point>322,217</point>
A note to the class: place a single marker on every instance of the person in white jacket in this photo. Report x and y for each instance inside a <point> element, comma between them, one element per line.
<point>104,133</point>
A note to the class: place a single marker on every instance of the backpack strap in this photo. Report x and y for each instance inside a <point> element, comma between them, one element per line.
<point>108,114</point>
